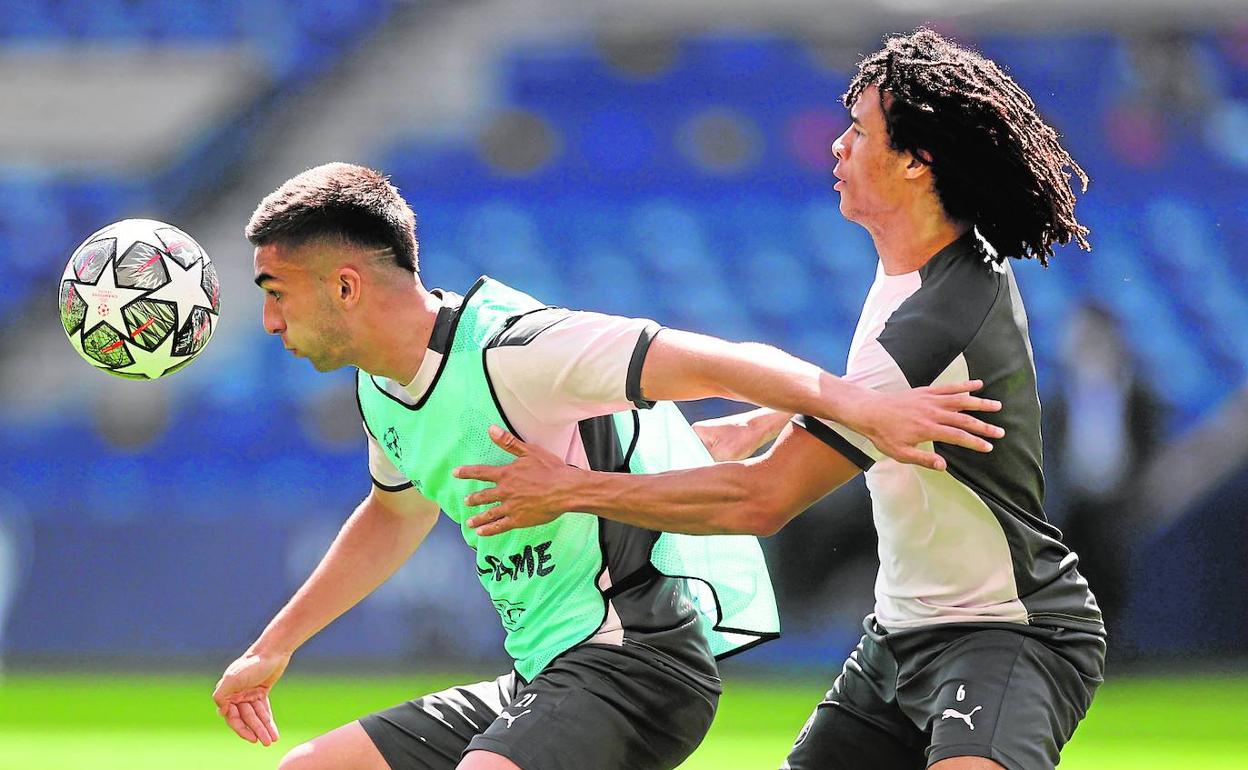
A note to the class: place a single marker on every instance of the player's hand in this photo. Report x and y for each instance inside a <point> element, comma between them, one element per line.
<point>737,436</point>
<point>898,422</point>
<point>524,489</point>
<point>242,696</point>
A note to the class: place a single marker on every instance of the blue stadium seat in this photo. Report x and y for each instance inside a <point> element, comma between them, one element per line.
<point>31,20</point>
<point>671,240</point>
<point>775,283</point>
<point>89,19</point>
<point>197,20</point>
<point>607,280</point>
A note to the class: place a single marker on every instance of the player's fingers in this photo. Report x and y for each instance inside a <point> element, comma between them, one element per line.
<point>265,710</point>
<point>487,517</point>
<point>483,497</point>
<point>975,425</point>
<point>956,437</point>
<point>478,472</point>
<point>929,460</point>
<point>951,388</point>
<point>235,720</point>
<point>508,442</point>
<point>497,527</point>
<point>967,403</point>
<point>248,712</point>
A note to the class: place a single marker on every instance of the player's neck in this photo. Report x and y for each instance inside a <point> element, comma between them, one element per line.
<point>398,333</point>
<point>913,237</point>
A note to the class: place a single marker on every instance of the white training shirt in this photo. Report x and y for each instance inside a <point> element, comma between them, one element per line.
<point>971,545</point>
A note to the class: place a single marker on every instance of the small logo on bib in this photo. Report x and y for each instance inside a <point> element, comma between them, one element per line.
<point>510,613</point>
<point>391,440</point>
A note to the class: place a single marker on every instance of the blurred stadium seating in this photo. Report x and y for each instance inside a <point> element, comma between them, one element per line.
<point>717,167</point>
<point>685,180</point>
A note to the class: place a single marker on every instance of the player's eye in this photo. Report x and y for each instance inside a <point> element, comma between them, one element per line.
<point>275,295</point>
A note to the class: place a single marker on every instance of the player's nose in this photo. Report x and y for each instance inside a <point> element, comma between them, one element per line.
<point>272,320</point>
<point>838,147</point>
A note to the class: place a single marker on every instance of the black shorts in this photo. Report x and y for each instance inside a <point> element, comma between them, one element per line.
<point>903,701</point>
<point>595,706</point>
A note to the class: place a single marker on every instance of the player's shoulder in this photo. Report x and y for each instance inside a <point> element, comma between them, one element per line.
<point>568,355</point>
<point>960,281</point>
<point>559,326</point>
<point>956,293</point>
<point>524,328</point>
<point>957,287</point>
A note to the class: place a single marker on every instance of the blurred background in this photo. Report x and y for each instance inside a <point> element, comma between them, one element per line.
<point>659,159</point>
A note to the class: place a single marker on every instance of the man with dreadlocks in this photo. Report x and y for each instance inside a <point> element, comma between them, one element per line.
<point>986,645</point>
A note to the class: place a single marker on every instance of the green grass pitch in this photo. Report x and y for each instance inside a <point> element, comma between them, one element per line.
<point>88,722</point>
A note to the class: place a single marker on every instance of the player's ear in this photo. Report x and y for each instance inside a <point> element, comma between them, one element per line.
<point>920,163</point>
<point>347,286</point>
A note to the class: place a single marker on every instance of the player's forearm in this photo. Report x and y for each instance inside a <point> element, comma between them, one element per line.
<point>767,376</point>
<point>369,548</point>
<point>725,498</point>
<point>683,366</point>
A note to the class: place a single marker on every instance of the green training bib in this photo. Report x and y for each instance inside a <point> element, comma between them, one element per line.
<point>543,581</point>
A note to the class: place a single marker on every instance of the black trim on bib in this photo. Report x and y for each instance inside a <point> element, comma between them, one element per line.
<point>498,405</point>
<point>450,336</point>
<point>389,488</point>
<point>632,445</point>
<point>444,325</point>
<point>760,639</point>
<point>520,330</point>
<point>641,576</point>
<point>602,443</point>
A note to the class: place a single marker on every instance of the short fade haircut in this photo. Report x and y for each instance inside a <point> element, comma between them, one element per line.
<point>338,200</point>
<point>995,162</point>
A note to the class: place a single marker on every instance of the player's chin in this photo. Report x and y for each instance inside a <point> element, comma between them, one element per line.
<point>323,364</point>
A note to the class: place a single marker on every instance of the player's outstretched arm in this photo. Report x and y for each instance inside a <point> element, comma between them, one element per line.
<point>379,536</point>
<point>683,366</point>
<point>756,496</point>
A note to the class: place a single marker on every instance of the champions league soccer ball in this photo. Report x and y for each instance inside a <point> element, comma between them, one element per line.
<point>139,299</point>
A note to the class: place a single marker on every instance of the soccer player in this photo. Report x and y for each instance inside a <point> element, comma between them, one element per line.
<point>985,646</point>
<point>612,629</point>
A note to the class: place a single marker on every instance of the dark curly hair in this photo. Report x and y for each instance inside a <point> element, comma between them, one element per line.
<point>338,200</point>
<point>994,161</point>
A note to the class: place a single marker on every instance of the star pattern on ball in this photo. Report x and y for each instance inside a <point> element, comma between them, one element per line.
<point>105,299</point>
<point>185,289</point>
<point>156,363</point>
